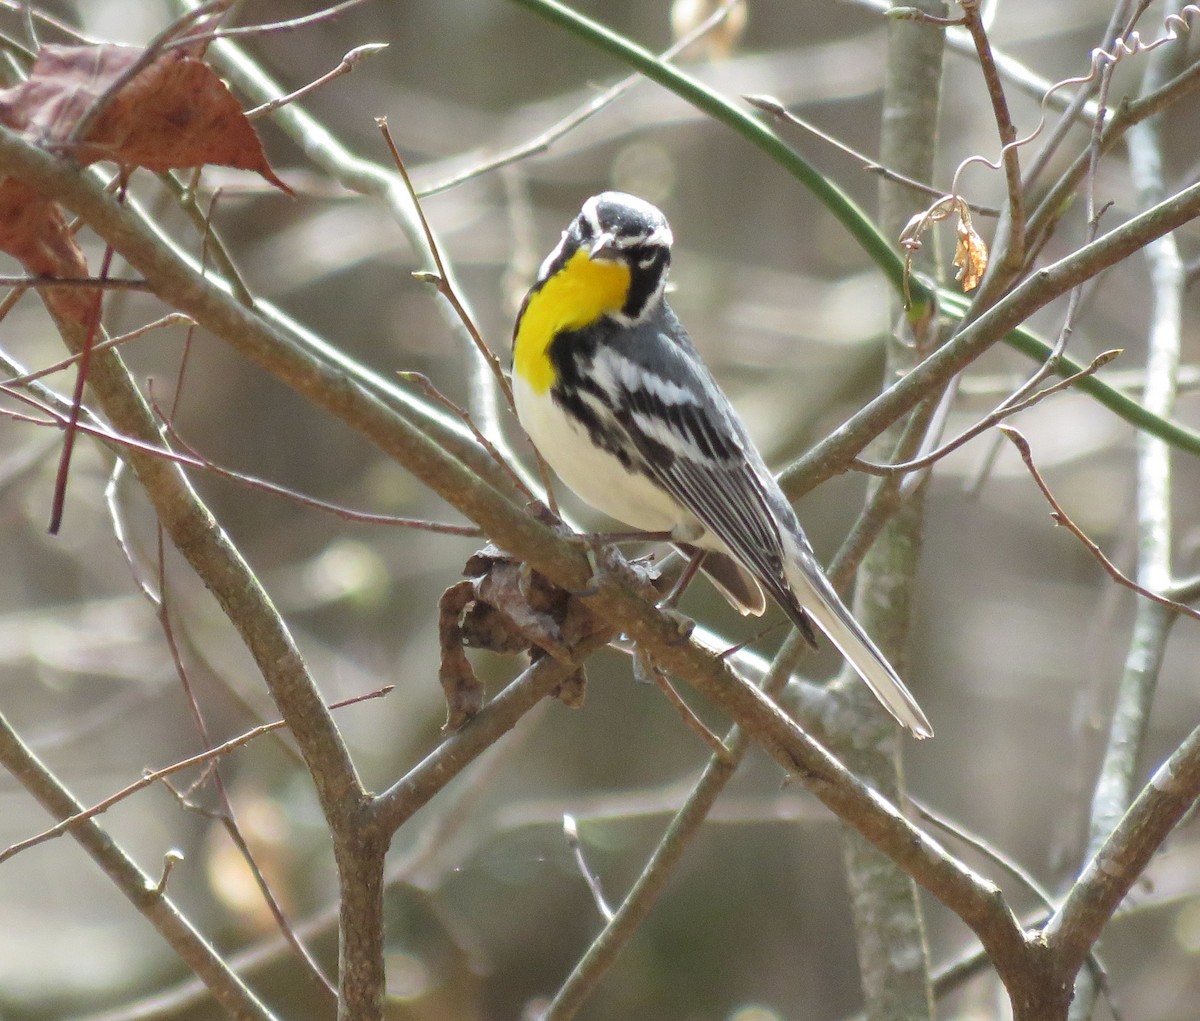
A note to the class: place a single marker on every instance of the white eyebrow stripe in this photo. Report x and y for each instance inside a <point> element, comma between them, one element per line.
<point>591,213</point>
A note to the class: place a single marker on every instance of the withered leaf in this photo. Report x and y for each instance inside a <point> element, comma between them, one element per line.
<point>34,230</point>
<point>460,687</point>
<point>970,255</point>
<point>507,607</point>
<point>573,690</point>
<point>174,113</point>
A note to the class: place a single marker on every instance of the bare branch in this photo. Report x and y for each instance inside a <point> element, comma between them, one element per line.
<point>143,891</point>
<point>1061,517</point>
<point>1012,404</point>
<point>1122,859</point>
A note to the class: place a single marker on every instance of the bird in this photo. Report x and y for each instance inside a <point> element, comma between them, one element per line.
<point>612,392</point>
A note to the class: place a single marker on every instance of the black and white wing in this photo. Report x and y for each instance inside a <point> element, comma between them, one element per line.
<point>690,440</point>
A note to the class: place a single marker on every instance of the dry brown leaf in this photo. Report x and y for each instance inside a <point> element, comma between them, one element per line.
<point>462,689</point>
<point>970,255</point>
<point>34,230</point>
<point>172,114</point>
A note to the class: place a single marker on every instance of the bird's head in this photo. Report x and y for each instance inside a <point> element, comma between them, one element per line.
<point>614,227</point>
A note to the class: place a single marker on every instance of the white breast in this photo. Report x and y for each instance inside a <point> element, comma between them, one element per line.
<point>594,475</point>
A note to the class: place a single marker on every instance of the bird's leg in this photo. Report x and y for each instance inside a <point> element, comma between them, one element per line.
<point>596,549</point>
<point>695,557</point>
<point>592,552</point>
<point>682,535</point>
<point>594,543</point>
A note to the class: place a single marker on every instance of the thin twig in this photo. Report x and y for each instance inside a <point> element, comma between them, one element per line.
<point>112,500</point>
<point>70,430</point>
<point>267,28</point>
<point>1032,84</point>
<point>348,63</point>
<point>434,394</point>
<point>1008,408</point>
<point>439,278</point>
<point>989,851</point>
<point>30,26</point>
<point>571,835</point>
<point>544,139</point>
<point>70,31</point>
<point>1061,517</point>
<point>99,283</point>
<point>212,246</point>
<point>1014,252</point>
<point>57,419</point>
<point>772,106</point>
<point>199,759</point>
<point>660,679</point>
<point>170,319</point>
<point>989,386</point>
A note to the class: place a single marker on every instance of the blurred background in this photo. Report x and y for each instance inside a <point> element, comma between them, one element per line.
<point>1018,643</point>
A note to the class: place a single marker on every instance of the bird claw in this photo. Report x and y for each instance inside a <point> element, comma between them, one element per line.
<point>593,586</point>
<point>684,625</point>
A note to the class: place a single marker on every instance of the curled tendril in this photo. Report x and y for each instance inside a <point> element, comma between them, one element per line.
<point>971,254</point>
<point>1126,46</point>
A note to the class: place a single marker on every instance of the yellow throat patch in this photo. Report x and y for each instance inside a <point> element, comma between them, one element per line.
<point>578,294</point>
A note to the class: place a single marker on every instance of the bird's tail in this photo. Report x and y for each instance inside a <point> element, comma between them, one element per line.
<point>816,595</point>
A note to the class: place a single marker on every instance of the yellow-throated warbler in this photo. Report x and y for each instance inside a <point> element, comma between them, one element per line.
<point>614,395</point>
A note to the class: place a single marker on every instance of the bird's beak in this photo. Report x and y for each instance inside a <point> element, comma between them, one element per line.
<point>603,247</point>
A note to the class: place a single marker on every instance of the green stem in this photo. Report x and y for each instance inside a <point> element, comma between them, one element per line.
<point>860,226</point>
